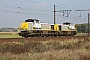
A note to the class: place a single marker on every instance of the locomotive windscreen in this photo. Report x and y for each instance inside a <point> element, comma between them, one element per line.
<point>31,20</point>
<point>67,23</point>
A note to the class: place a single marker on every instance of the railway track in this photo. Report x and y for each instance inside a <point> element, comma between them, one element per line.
<point>43,38</point>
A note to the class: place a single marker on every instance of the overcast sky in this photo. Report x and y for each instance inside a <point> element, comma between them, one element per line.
<point>13,12</point>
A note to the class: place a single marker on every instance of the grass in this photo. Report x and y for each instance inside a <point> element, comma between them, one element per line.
<point>9,35</point>
<point>46,50</point>
<point>81,34</point>
<point>63,54</point>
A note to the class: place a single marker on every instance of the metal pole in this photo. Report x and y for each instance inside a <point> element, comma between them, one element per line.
<point>54,14</point>
<point>88,23</point>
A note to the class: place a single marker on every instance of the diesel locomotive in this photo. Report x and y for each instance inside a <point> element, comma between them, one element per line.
<point>35,28</point>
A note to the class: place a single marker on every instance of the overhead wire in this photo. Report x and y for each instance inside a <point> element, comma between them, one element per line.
<point>47,4</point>
<point>39,2</point>
<point>22,9</point>
<point>25,10</point>
<point>88,5</point>
<point>33,10</point>
<point>85,6</point>
<point>29,10</point>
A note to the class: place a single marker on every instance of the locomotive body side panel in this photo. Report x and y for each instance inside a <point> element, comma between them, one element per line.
<point>45,26</point>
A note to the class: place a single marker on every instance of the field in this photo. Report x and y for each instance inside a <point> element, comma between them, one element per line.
<point>9,35</point>
<point>46,50</point>
<point>81,34</point>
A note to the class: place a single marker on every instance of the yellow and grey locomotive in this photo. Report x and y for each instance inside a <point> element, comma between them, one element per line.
<point>33,27</point>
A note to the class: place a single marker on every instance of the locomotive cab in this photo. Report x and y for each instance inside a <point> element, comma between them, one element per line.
<point>70,25</point>
<point>28,27</point>
<point>36,23</point>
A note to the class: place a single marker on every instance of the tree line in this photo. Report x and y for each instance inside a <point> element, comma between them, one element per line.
<point>8,29</point>
<point>82,28</point>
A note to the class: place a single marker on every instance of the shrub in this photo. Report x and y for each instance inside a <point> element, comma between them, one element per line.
<point>40,47</point>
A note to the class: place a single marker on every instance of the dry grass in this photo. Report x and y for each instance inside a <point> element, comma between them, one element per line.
<point>47,50</point>
<point>63,54</point>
